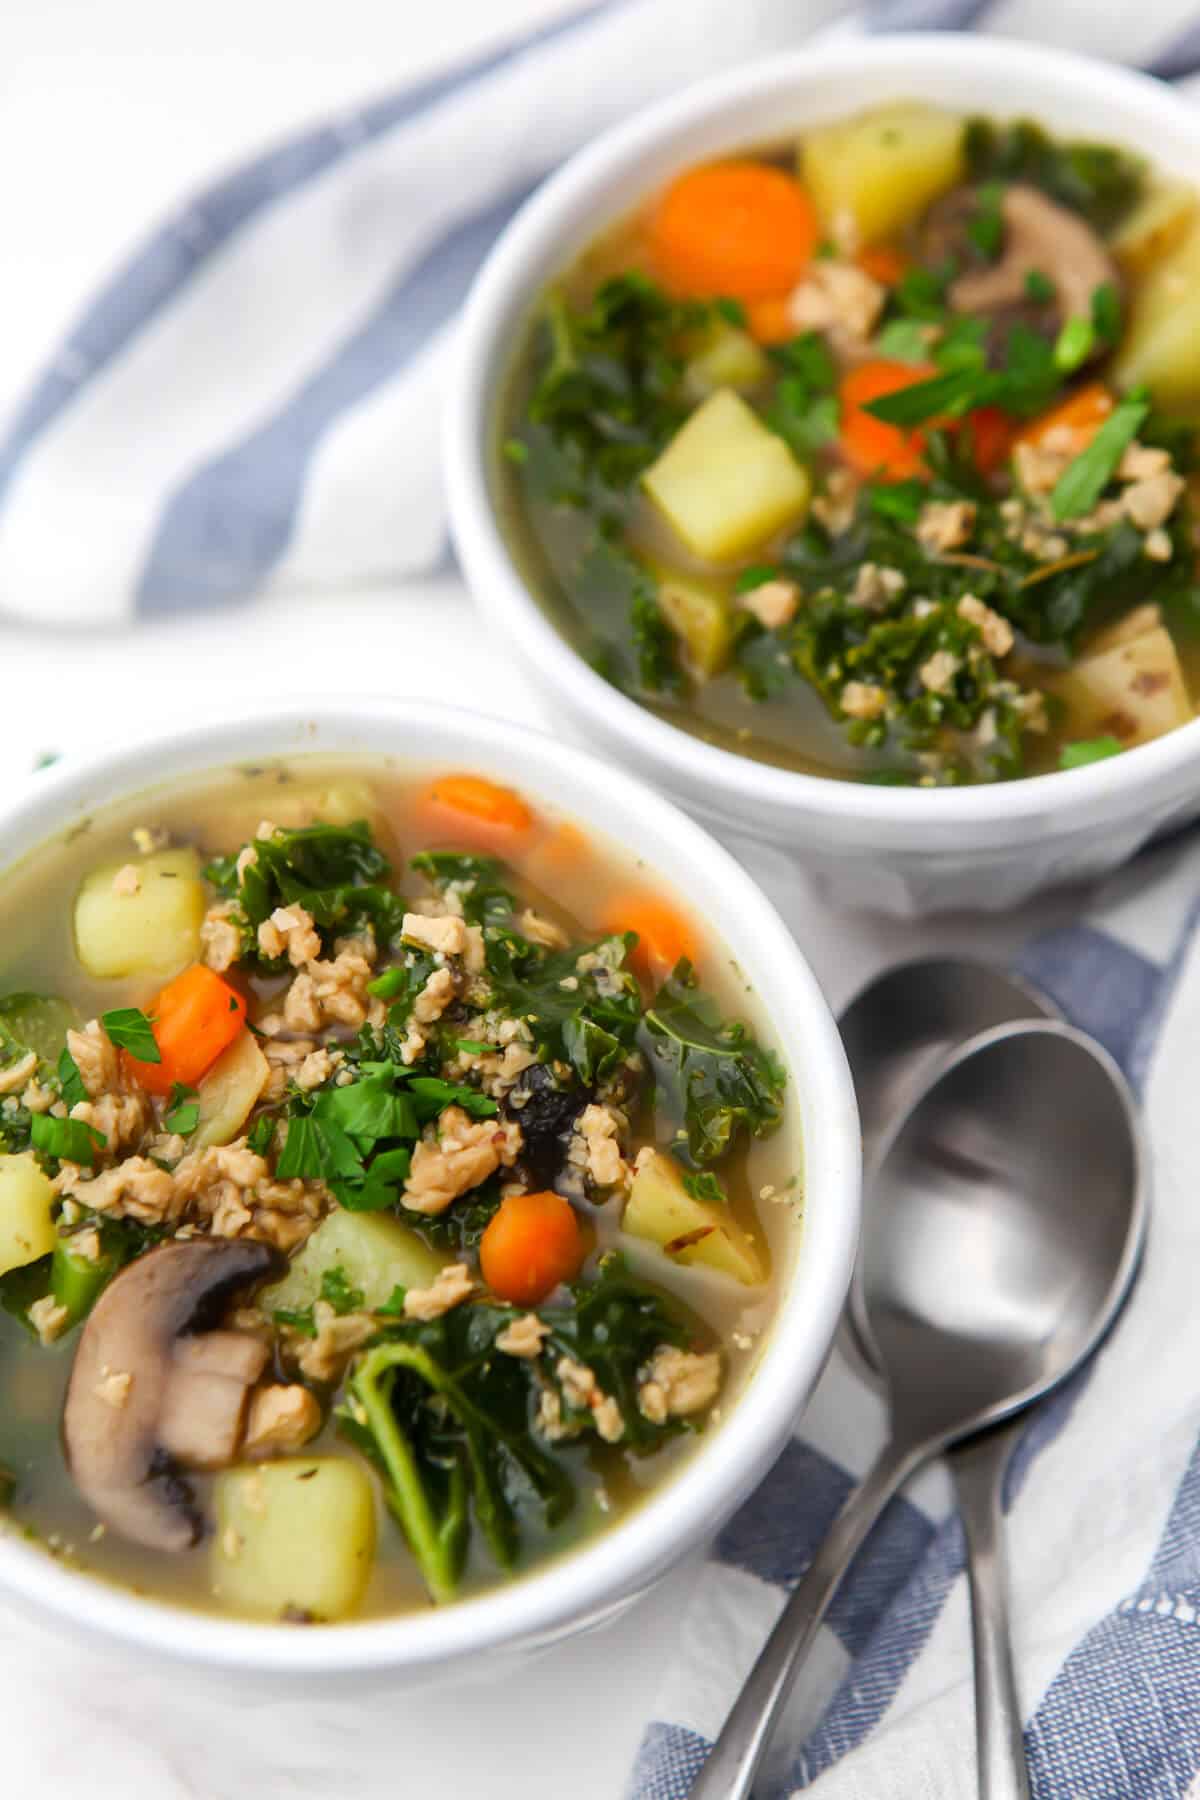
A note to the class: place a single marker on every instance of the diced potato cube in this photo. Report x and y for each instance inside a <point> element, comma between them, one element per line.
<point>725,483</point>
<point>1160,343</point>
<point>1134,691</point>
<point>376,1253</point>
<point>151,929</point>
<point>661,1210</point>
<point>1155,226</point>
<point>294,1538</point>
<point>726,356</point>
<point>228,1093</point>
<point>872,176</point>
<point>26,1197</point>
<point>699,613</point>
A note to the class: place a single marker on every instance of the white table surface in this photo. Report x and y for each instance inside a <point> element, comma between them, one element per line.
<point>84,89</point>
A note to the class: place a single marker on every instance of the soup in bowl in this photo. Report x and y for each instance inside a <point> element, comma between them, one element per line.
<point>802,485</point>
<point>867,453</point>
<point>400,1184</point>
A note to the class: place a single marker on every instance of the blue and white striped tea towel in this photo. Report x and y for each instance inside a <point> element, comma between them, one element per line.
<point>1103,1496</point>
<point>250,400</point>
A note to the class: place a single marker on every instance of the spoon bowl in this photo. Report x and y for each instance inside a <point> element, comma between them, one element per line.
<point>897,1030</point>
<point>1009,1209</point>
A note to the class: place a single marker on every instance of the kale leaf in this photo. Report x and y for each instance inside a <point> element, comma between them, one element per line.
<point>714,1076</point>
<point>608,384</point>
<point>335,872</point>
<point>591,1022</point>
<point>613,1325</point>
<point>449,1420</point>
<point>618,596</point>
<point>478,883</point>
<point>1099,182</point>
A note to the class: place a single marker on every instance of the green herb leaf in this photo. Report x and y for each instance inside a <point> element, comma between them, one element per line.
<point>1075,343</point>
<point>1106,313</point>
<point>985,227</point>
<point>1083,481</point>
<point>716,1078</point>
<point>478,883</point>
<point>261,1134</point>
<point>1088,750</point>
<point>335,872</point>
<point>70,1081</point>
<point>336,1289</point>
<point>1100,183</point>
<point>1039,287</point>
<point>129,1029</point>
<point>905,340</point>
<point>183,1110</point>
<point>68,1140</point>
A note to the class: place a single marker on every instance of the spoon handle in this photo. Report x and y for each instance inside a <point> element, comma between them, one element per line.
<point>729,1772</point>
<point>978,1467</point>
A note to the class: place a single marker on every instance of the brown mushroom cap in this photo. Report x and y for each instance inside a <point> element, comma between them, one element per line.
<point>126,1370</point>
<point>1039,236</point>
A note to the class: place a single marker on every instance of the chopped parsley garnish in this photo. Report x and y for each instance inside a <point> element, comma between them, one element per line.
<point>1081,484</point>
<point>66,1140</point>
<point>1088,750</point>
<point>70,1081</point>
<point>261,1134</point>
<point>129,1029</point>
<point>183,1110</point>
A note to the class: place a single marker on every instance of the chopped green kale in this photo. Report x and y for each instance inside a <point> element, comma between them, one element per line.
<point>608,389</point>
<point>337,873</point>
<point>714,1079</point>
<point>477,882</point>
<point>447,1418</point>
<point>1099,182</point>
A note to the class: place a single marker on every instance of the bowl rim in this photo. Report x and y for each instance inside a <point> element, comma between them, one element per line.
<point>581,1584</point>
<point>482,359</point>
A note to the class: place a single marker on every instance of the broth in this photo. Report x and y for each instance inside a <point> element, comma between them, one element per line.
<point>571,880</point>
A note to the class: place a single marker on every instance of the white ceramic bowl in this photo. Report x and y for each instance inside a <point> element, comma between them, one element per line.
<point>900,850</point>
<point>581,1588</point>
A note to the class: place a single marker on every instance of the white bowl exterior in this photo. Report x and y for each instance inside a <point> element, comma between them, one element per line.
<point>899,850</point>
<point>587,1586</point>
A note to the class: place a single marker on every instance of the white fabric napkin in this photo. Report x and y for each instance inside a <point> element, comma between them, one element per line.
<point>250,401</point>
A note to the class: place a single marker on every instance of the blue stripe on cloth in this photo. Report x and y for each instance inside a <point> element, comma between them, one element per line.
<point>668,1762</point>
<point>778,1531</point>
<point>1101,985</point>
<point>925,15</point>
<point>1181,57</point>
<point>162,266</point>
<point>1121,1719</point>
<point>232,519</point>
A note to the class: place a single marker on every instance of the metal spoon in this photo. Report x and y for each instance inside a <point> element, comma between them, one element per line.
<point>896,1031</point>
<point>1012,1208</point>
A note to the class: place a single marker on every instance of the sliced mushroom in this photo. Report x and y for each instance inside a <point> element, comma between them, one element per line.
<point>1039,237</point>
<point>155,1385</point>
